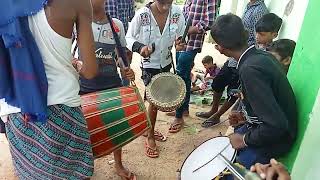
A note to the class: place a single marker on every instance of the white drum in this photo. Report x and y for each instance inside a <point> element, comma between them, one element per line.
<point>204,163</point>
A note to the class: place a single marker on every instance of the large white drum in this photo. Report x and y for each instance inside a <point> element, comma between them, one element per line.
<point>204,163</point>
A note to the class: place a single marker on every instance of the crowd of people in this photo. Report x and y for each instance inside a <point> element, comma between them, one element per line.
<point>43,121</point>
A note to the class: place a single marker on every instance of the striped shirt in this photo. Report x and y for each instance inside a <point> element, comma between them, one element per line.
<point>202,14</point>
<point>252,13</point>
<point>122,10</point>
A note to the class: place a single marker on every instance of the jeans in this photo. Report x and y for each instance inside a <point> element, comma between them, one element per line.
<point>248,156</point>
<point>184,61</point>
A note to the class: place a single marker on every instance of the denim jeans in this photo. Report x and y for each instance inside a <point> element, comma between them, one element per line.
<point>248,156</point>
<point>184,62</point>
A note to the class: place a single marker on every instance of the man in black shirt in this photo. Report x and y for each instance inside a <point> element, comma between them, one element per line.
<point>268,115</point>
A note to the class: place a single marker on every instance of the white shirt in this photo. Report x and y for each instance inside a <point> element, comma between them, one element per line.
<point>144,29</point>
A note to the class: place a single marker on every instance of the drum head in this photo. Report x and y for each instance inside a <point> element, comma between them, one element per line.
<point>166,91</point>
<point>203,154</point>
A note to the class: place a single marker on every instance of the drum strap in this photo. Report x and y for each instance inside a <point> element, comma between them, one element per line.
<point>121,50</point>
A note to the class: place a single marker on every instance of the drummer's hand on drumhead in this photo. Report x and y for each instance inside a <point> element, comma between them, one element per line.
<point>237,141</point>
<point>129,73</point>
<point>272,171</point>
<point>146,51</point>
<point>236,118</point>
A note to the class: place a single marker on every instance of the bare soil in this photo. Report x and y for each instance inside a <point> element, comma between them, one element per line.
<point>172,152</point>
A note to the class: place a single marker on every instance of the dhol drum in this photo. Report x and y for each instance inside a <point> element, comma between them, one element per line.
<point>115,117</point>
<point>205,162</point>
<point>166,91</point>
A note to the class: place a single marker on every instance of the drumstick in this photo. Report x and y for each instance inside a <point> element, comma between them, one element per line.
<point>230,167</point>
<point>240,173</point>
<point>211,159</point>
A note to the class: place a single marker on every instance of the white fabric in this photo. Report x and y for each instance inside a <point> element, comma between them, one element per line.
<point>144,29</point>
<point>63,80</point>
<point>6,109</point>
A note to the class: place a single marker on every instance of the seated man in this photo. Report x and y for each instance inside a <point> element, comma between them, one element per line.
<point>268,104</point>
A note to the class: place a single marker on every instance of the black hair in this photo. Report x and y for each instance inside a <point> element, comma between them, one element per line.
<point>269,23</point>
<point>207,60</point>
<point>228,31</point>
<point>284,47</point>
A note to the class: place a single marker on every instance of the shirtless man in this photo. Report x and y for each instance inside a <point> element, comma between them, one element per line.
<point>60,147</point>
<point>62,15</point>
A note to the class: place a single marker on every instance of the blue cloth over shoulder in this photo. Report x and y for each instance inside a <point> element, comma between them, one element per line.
<point>23,79</point>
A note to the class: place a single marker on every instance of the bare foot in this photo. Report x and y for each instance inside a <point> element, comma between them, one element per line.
<point>204,114</point>
<point>173,113</point>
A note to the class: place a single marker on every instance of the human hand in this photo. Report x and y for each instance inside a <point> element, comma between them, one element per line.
<point>180,45</point>
<point>272,171</point>
<point>237,141</point>
<point>129,73</point>
<point>236,118</point>
<point>77,64</point>
<point>207,78</point>
<point>193,30</point>
<point>146,51</point>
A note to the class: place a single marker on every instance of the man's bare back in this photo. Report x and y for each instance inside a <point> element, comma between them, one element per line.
<point>62,15</point>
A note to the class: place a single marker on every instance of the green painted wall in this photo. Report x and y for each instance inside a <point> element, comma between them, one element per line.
<point>304,75</point>
<point>306,166</point>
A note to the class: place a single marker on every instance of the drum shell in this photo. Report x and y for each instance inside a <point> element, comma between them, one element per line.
<point>114,117</point>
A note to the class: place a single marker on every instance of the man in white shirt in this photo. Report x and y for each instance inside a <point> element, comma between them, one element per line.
<point>159,24</point>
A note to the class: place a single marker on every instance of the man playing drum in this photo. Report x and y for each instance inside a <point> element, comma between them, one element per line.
<point>267,125</point>
<point>108,76</point>
<point>159,23</point>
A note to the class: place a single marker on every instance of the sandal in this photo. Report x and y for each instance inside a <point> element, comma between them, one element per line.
<point>151,152</point>
<point>203,114</point>
<point>209,123</point>
<point>130,176</point>
<point>158,136</point>
<point>175,127</point>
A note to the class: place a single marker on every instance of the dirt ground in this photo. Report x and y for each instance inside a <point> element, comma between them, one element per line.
<point>172,152</point>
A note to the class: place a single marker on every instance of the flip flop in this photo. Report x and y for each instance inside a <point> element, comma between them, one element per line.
<point>151,152</point>
<point>175,127</point>
<point>209,123</point>
<point>203,114</point>
<point>130,176</point>
<point>158,136</point>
